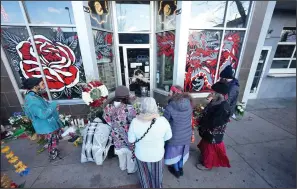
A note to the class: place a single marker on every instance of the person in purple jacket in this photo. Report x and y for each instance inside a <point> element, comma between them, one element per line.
<point>179,114</point>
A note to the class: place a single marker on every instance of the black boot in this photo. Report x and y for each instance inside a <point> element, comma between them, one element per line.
<point>174,172</point>
<point>181,171</point>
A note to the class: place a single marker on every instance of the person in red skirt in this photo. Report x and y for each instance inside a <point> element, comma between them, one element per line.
<point>212,126</point>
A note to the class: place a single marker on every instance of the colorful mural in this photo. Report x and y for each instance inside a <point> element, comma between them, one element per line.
<point>165,42</point>
<point>165,55</point>
<point>103,46</point>
<point>202,57</point>
<point>59,56</point>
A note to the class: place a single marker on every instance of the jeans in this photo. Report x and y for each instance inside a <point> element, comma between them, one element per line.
<point>179,165</point>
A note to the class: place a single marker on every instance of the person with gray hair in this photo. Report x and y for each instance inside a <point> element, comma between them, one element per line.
<point>148,133</point>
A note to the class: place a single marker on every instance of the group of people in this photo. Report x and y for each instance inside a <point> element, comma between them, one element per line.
<point>144,141</point>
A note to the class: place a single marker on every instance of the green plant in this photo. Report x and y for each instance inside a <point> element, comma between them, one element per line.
<point>18,119</point>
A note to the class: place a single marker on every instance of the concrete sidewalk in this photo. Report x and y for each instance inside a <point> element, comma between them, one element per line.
<point>261,148</point>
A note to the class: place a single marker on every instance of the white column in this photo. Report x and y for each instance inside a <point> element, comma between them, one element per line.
<point>116,43</point>
<point>260,44</point>
<point>181,42</point>
<point>86,40</point>
<point>153,63</point>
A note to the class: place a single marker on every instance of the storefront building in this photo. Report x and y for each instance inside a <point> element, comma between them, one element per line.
<point>167,42</point>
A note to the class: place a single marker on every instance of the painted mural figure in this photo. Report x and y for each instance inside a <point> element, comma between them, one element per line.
<point>202,59</point>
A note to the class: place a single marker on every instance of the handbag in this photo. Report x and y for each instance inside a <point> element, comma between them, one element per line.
<point>137,140</point>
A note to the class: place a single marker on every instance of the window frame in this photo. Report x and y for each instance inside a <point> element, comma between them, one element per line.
<point>29,27</point>
<point>224,29</point>
<point>288,70</point>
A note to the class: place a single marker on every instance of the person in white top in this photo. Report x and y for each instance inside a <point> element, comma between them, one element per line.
<point>149,131</point>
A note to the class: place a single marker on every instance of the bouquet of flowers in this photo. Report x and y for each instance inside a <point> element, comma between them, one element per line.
<point>19,119</point>
<point>6,182</point>
<point>197,113</point>
<point>161,110</point>
<point>240,109</point>
<point>66,119</point>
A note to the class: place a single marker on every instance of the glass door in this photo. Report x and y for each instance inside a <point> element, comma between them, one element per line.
<point>137,69</point>
<point>259,72</point>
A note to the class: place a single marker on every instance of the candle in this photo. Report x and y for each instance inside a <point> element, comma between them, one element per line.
<point>82,122</point>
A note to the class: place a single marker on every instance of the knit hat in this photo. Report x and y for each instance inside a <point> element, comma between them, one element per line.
<point>220,87</point>
<point>227,73</point>
<point>122,92</point>
<point>30,83</point>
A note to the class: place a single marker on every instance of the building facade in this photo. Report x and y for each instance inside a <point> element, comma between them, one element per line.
<point>162,42</point>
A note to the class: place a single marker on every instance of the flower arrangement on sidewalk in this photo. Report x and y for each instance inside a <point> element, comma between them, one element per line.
<point>197,113</point>
<point>25,125</point>
<point>6,182</point>
<point>20,167</point>
<point>240,109</point>
<point>94,94</point>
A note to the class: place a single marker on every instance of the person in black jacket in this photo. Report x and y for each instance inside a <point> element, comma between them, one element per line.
<point>212,126</point>
<point>233,84</point>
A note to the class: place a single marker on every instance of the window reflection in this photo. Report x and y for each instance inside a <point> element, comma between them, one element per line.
<point>127,21</point>
<point>280,64</point>
<point>11,12</point>
<point>49,12</point>
<point>284,51</point>
<point>207,14</point>
<point>288,34</point>
<point>238,14</point>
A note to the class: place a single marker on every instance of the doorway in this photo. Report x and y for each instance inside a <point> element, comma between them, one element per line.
<point>135,68</point>
<point>261,66</point>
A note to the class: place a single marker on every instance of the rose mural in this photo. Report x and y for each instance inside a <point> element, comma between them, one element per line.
<point>56,59</point>
<point>59,56</point>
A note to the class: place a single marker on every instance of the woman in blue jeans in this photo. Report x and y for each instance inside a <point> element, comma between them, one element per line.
<point>179,114</point>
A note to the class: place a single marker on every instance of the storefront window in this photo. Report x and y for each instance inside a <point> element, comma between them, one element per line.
<point>207,14</point>
<point>57,48</point>
<point>59,53</point>
<point>127,21</point>
<point>105,58</point>
<point>49,12</point>
<point>100,14</point>
<point>231,50</point>
<point>238,13</point>
<point>166,14</point>
<point>284,60</point>
<point>202,58</point>
<point>165,59</point>
<point>205,57</point>
<point>11,12</point>
<point>12,39</point>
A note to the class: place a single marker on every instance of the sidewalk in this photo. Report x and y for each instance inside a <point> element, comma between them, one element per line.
<point>261,148</point>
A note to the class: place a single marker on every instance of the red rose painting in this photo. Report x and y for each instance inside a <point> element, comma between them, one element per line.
<point>57,61</point>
